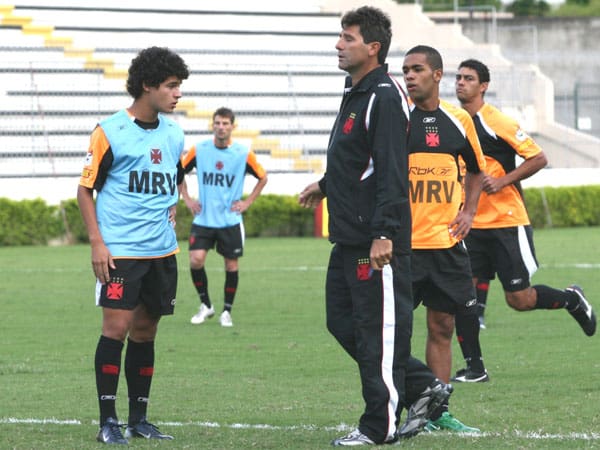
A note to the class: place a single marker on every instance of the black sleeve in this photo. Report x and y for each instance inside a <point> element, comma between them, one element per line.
<point>388,141</point>
<point>180,173</point>
<point>323,184</point>
<point>468,156</point>
<point>103,168</point>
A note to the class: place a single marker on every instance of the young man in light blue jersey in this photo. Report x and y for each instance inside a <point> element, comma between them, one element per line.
<point>221,165</point>
<point>133,163</point>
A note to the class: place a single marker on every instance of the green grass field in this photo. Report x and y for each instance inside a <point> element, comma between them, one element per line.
<point>277,379</point>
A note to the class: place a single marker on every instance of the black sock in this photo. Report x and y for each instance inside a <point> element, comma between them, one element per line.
<point>139,368</point>
<point>467,333</point>
<point>107,364</point>
<point>201,284</point>
<point>231,283</point>
<point>550,298</point>
<point>482,289</point>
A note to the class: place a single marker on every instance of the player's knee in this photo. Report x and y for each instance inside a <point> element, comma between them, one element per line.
<point>520,301</point>
<point>196,262</point>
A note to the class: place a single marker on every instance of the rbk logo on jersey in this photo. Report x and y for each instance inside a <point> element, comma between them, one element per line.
<point>363,269</point>
<point>349,123</point>
<point>156,156</point>
<point>219,165</point>
<point>114,289</point>
<point>432,137</point>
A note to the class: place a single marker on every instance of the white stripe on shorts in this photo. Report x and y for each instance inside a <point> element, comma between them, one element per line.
<point>526,252</point>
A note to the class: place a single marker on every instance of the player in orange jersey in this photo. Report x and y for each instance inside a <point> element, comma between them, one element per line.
<point>501,240</point>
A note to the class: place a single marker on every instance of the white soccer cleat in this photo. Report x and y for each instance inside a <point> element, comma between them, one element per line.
<point>225,319</point>
<point>204,313</point>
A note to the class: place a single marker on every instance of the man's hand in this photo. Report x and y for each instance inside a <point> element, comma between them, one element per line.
<point>240,206</point>
<point>194,206</point>
<point>311,196</point>
<point>381,253</point>
<point>173,215</point>
<point>491,185</point>
<point>461,225</point>
<point>101,261</point>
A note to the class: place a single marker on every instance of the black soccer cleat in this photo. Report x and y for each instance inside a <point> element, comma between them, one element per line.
<point>469,376</point>
<point>110,433</point>
<point>419,412</point>
<point>144,429</point>
<point>583,312</point>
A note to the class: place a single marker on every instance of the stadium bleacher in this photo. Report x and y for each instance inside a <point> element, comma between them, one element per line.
<point>64,67</point>
<point>58,81</point>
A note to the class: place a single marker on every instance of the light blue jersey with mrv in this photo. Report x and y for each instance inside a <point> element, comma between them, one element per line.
<point>133,204</point>
<point>221,175</point>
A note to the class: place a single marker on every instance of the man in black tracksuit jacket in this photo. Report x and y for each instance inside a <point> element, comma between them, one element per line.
<point>368,289</point>
<point>369,303</point>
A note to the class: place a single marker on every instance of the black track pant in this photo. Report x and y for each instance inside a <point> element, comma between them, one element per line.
<point>370,314</point>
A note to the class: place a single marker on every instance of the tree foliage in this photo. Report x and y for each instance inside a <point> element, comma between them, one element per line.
<point>569,8</point>
<point>529,7</point>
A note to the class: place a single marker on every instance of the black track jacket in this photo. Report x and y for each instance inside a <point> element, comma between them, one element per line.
<point>366,182</point>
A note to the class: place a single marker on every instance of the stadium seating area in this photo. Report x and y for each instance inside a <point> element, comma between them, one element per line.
<point>63,68</point>
<point>62,72</point>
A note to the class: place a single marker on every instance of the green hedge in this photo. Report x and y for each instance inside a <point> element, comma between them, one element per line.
<point>33,222</point>
<point>563,206</point>
<point>29,222</point>
<point>269,215</point>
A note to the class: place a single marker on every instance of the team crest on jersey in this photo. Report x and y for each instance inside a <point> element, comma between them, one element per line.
<point>114,289</point>
<point>349,123</point>
<point>432,137</point>
<point>363,269</point>
<point>521,135</point>
<point>156,156</point>
<point>219,165</point>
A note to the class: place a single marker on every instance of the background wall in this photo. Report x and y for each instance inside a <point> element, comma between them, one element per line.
<point>567,50</point>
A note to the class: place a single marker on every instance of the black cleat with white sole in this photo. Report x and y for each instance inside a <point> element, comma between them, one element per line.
<point>110,433</point>
<point>144,429</point>
<point>583,312</point>
<point>469,376</point>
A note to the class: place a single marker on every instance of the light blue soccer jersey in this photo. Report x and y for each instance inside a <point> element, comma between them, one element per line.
<point>133,205</point>
<point>221,175</point>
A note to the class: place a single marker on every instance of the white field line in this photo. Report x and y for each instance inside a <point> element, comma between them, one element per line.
<point>531,435</point>
<point>264,269</point>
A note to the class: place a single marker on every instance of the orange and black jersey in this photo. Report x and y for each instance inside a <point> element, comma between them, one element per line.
<point>436,141</point>
<point>502,139</point>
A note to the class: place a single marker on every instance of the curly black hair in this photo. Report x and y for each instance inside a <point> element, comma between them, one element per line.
<point>152,66</point>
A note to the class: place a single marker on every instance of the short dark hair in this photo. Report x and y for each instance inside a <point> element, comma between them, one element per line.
<point>224,112</point>
<point>434,59</point>
<point>152,66</point>
<point>375,26</point>
<point>483,73</point>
